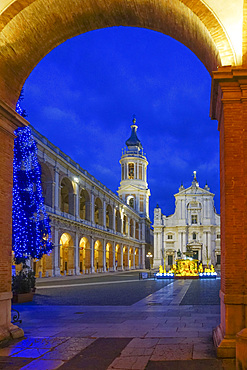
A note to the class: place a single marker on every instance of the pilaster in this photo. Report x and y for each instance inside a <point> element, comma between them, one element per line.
<point>9,121</point>
<point>230,108</point>
<point>92,255</point>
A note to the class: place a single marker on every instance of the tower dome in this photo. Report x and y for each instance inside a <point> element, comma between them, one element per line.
<point>133,142</point>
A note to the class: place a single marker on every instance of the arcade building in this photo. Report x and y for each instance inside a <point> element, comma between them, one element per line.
<point>93,229</point>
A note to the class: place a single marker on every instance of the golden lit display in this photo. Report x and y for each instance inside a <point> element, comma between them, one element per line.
<point>186,268</point>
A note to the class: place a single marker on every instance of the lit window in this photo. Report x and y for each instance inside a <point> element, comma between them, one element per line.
<point>131,202</point>
<point>122,171</point>
<point>141,203</point>
<point>169,236</point>
<point>131,170</point>
<point>140,171</point>
<point>194,219</point>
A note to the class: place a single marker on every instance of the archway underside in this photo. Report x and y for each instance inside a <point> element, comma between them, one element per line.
<point>30,29</point>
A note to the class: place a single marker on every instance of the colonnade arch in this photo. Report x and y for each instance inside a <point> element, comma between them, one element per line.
<point>118,260</point>
<point>84,205</point>
<point>46,24</point>
<point>84,254</point>
<point>109,256</point>
<point>131,258</point>
<point>66,253</point>
<point>109,217</point>
<point>98,211</point>
<point>98,256</point>
<point>125,257</point>
<point>137,257</point>
<point>67,196</point>
<point>118,221</point>
<point>47,184</point>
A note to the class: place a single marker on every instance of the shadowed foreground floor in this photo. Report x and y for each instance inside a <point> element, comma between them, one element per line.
<point>168,329</point>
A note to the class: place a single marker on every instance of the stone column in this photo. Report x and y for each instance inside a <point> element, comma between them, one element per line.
<point>114,256</point>
<point>128,256</point>
<point>56,254</point>
<point>209,247</point>
<point>230,84</point>
<point>180,240</point>
<point>158,248</point>
<point>134,261</point>
<point>121,218</point>
<point>77,255</point>
<point>104,255</point>
<point>143,257</point>
<point>121,250</point>
<point>9,121</point>
<point>92,255</point>
<point>114,218</point>
<point>77,202</point>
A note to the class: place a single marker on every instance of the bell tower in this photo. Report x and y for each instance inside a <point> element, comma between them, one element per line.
<point>133,186</point>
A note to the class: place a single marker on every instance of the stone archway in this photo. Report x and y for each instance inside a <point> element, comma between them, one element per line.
<point>66,254</point>
<point>48,23</point>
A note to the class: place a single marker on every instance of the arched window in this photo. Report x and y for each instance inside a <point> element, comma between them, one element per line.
<point>46,182</point>
<point>98,219</point>
<point>109,216</point>
<point>67,197</point>
<point>84,205</point>
<point>194,236</point>
<point>131,170</point>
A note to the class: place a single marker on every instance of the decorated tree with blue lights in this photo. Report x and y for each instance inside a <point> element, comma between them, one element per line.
<point>30,222</point>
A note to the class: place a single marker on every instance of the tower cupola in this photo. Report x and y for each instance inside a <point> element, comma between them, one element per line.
<point>133,143</point>
<point>133,186</point>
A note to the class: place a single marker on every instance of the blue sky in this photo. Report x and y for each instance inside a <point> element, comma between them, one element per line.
<point>83,94</point>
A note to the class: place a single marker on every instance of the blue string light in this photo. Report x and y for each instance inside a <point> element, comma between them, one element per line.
<point>30,222</point>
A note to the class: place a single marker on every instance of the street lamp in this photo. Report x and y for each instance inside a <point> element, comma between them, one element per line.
<point>149,255</point>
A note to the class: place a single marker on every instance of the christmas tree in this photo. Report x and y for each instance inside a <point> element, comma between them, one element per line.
<point>31,233</point>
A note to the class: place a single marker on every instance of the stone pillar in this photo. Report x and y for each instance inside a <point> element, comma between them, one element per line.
<point>128,226</point>
<point>104,213</point>
<point>77,202</point>
<point>204,248</point>
<point>121,249</point>
<point>77,255</point>
<point>143,256</point>
<point>56,190</point>
<point>122,217</point>
<point>128,256</point>
<point>134,260</point>
<point>104,255</point>
<point>114,256</point>
<point>180,241</point>
<point>9,121</point>
<point>209,247</point>
<point>158,248</point>
<point>114,218</point>
<point>230,84</point>
<point>92,255</point>
<point>56,254</point>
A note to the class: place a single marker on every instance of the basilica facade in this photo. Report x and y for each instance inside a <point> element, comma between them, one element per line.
<point>193,230</point>
<point>93,229</point>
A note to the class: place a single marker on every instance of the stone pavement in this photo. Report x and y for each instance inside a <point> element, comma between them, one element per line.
<point>157,332</point>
